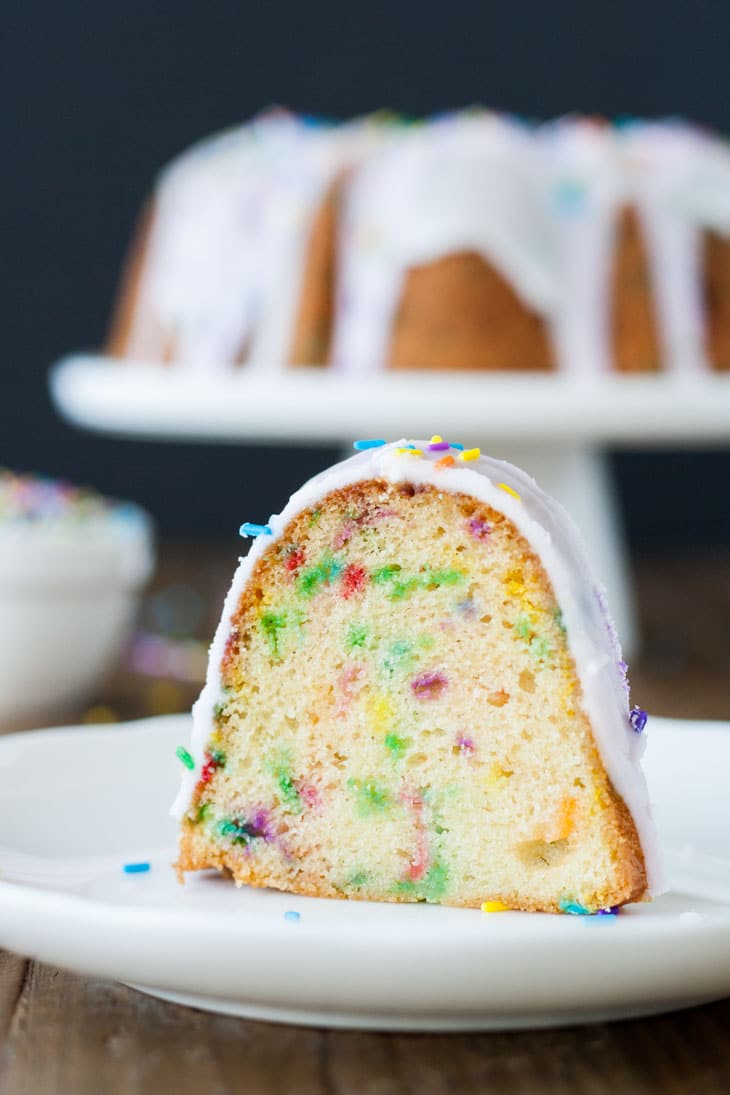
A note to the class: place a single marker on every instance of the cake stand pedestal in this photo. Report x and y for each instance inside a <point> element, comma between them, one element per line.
<point>553,426</point>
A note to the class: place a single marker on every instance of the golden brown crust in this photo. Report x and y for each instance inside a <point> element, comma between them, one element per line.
<point>312,335</point>
<point>197,852</point>
<point>716,284</point>
<point>128,295</point>
<point>460,313</point>
<point>634,330</point>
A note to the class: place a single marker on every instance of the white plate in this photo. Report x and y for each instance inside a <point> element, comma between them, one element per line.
<point>318,405</point>
<point>77,804</point>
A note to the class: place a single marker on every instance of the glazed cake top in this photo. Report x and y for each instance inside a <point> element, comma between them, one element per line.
<point>552,535</point>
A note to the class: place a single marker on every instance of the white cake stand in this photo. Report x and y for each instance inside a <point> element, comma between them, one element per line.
<point>554,426</point>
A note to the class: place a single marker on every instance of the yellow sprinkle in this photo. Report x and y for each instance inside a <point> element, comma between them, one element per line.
<point>503,486</point>
<point>409,452</point>
<point>470,454</point>
<point>436,439</point>
<point>494,906</point>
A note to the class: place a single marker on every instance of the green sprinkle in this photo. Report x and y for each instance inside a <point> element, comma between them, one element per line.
<point>271,623</point>
<point>385,574</point>
<point>324,573</point>
<point>559,621</point>
<point>431,888</point>
<point>357,880</point>
<point>396,745</point>
<point>218,709</point>
<point>371,799</point>
<point>203,812</point>
<point>523,627</point>
<point>314,517</point>
<point>283,775</point>
<point>356,636</point>
<point>182,754</point>
<point>218,757</point>
<point>540,648</point>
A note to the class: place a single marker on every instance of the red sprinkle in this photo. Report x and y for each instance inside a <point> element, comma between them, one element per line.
<point>207,771</point>
<point>294,560</point>
<point>353,579</point>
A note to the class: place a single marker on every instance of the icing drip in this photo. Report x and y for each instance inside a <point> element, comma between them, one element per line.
<point>462,182</point>
<point>550,532</point>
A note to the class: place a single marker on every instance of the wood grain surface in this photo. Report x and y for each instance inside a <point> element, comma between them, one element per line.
<point>61,1034</point>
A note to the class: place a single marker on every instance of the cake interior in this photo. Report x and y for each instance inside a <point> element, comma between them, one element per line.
<point>402,720</point>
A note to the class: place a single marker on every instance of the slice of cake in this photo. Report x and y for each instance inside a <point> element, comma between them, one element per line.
<point>415,694</point>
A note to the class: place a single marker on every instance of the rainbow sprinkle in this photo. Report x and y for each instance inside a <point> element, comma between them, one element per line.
<point>638,719</point>
<point>445,462</point>
<point>574,908</point>
<point>510,490</point>
<point>470,454</point>
<point>494,907</point>
<point>438,446</point>
<point>368,443</point>
<point>184,756</point>
<point>136,868</point>
<point>250,529</point>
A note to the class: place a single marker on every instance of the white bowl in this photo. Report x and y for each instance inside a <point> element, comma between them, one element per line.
<point>68,595</point>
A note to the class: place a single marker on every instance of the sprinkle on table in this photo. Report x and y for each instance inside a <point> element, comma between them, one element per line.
<point>494,906</point>
<point>293,915</point>
<point>248,528</point>
<point>368,443</point>
<point>510,490</point>
<point>470,454</point>
<point>136,868</point>
<point>184,756</point>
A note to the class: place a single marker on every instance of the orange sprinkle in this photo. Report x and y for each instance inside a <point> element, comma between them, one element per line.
<point>445,461</point>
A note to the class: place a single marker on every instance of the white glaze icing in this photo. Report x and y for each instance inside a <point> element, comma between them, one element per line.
<point>551,533</point>
<point>462,182</point>
<point>678,180</point>
<point>225,256</point>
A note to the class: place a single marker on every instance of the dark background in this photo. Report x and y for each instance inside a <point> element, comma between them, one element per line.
<point>97,96</point>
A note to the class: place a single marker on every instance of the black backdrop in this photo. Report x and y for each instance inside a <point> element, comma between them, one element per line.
<point>97,96</point>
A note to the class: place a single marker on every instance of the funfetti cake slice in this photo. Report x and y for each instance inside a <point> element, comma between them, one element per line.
<point>415,694</point>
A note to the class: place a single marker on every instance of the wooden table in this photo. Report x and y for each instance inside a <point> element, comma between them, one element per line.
<point>60,1033</point>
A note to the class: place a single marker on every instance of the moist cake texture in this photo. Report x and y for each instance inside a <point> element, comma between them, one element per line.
<point>401,704</point>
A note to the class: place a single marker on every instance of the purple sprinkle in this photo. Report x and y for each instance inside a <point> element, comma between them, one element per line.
<point>466,745</point>
<point>612,910</point>
<point>638,720</point>
<point>479,528</point>
<point>438,446</point>
<point>429,686</point>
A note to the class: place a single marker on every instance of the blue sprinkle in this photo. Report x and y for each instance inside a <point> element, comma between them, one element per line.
<point>574,908</point>
<point>456,445</point>
<point>373,443</point>
<point>136,868</point>
<point>292,915</point>
<point>249,529</point>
